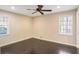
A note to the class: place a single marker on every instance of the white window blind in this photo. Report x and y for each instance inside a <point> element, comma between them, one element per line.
<point>65,25</point>
<point>4,25</point>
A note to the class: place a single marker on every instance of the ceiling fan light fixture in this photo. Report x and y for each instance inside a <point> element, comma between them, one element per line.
<point>40,10</point>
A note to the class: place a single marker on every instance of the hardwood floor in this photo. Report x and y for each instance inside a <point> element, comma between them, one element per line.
<point>37,46</point>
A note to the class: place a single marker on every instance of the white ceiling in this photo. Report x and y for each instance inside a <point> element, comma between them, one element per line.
<point>21,9</point>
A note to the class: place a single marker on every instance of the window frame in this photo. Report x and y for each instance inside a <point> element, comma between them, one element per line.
<point>7,26</point>
<point>63,33</point>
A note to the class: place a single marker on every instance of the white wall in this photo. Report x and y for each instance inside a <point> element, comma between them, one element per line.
<point>42,27</point>
<point>46,28</point>
<point>20,28</point>
<point>77,28</point>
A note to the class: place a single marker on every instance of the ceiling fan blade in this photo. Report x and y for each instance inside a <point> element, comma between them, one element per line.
<point>30,9</point>
<point>46,10</point>
<point>41,12</point>
<point>34,12</point>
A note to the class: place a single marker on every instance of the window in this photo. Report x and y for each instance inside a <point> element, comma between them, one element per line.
<point>3,25</point>
<point>65,25</point>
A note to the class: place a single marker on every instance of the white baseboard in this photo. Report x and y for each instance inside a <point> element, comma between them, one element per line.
<point>54,41</point>
<point>15,41</point>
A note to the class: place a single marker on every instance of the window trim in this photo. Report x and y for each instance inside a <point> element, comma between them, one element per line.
<point>60,25</point>
<point>8,27</point>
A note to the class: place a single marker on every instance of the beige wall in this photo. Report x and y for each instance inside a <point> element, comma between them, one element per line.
<point>20,28</point>
<point>46,27</point>
<point>77,28</point>
<point>0,50</point>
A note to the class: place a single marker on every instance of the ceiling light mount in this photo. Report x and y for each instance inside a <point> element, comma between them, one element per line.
<point>13,7</point>
<point>58,6</point>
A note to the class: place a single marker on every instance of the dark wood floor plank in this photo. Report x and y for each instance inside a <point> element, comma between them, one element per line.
<point>37,46</point>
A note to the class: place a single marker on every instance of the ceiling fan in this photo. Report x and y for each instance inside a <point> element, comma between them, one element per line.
<point>40,10</point>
